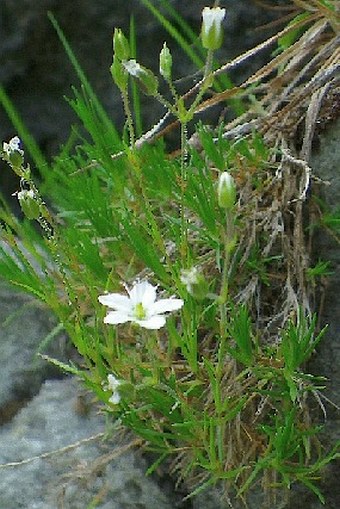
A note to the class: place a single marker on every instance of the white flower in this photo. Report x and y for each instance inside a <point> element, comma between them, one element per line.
<point>212,27</point>
<point>14,156</point>
<point>189,277</point>
<point>12,146</point>
<point>113,384</point>
<point>29,203</point>
<point>194,282</point>
<point>26,193</point>
<point>140,306</point>
<point>133,68</point>
<point>147,80</point>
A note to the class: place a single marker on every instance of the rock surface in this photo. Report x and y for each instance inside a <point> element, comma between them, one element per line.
<point>326,165</point>
<point>24,325</point>
<point>78,477</point>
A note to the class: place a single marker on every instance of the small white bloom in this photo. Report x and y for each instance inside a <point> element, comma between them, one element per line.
<point>14,156</point>
<point>140,306</point>
<point>12,146</point>
<point>212,16</point>
<point>113,384</point>
<point>29,203</point>
<point>26,193</point>
<point>189,277</point>
<point>147,80</point>
<point>133,68</point>
<point>212,27</point>
<point>195,282</point>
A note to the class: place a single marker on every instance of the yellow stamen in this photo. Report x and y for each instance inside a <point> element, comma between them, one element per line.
<point>139,311</point>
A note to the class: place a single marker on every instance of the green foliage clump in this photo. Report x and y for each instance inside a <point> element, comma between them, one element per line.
<point>222,387</point>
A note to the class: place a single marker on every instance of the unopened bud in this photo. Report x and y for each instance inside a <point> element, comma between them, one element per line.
<point>29,204</point>
<point>165,62</point>
<point>226,191</point>
<point>212,34</point>
<point>146,78</point>
<point>119,74</point>
<point>121,45</point>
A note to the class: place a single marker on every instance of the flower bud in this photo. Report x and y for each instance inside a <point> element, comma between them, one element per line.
<point>195,283</point>
<point>146,78</point>
<point>121,45</point>
<point>165,62</point>
<point>29,204</point>
<point>119,74</point>
<point>13,154</point>
<point>212,27</point>
<point>226,191</point>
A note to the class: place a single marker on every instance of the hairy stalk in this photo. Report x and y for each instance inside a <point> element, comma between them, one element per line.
<point>184,225</point>
<point>129,119</point>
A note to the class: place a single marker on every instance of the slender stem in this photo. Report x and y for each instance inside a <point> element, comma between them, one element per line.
<point>207,81</point>
<point>228,241</point>
<point>184,155</point>
<point>165,103</point>
<point>129,119</point>
<point>153,354</point>
<point>208,63</point>
<point>46,222</point>
<point>173,91</point>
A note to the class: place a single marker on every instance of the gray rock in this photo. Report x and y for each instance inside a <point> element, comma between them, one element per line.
<point>326,164</point>
<point>71,479</point>
<point>24,325</point>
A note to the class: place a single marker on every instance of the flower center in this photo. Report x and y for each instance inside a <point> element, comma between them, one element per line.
<point>139,311</point>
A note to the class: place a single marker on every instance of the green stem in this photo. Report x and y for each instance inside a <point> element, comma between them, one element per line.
<point>173,91</point>
<point>166,104</point>
<point>129,119</point>
<point>184,230</point>
<point>206,82</point>
<point>208,63</point>
<point>228,241</point>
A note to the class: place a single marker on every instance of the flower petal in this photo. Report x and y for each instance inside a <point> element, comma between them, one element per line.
<point>165,305</point>
<point>212,16</point>
<point>115,317</point>
<point>116,301</point>
<point>154,322</point>
<point>143,292</point>
<point>115,398</point>
<point>149,296</point>
<point>113,382</point>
